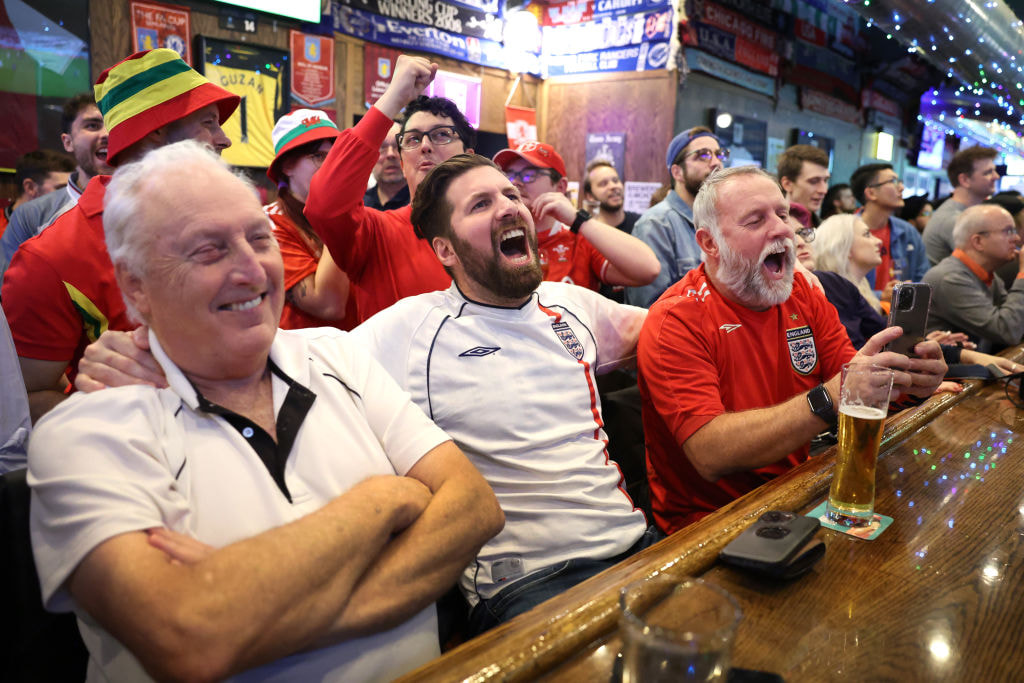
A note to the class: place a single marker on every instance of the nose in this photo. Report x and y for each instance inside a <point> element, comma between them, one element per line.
<point>247,265</point>
<point>715,163</point>
<point>220,140</point>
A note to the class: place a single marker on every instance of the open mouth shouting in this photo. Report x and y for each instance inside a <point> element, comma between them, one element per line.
<point>778,257</point>
<point>514,246</point>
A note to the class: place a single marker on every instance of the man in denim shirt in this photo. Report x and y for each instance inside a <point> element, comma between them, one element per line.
<point>667,227</point>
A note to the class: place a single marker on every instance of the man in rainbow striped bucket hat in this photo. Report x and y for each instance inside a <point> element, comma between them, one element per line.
<point>59,293</point>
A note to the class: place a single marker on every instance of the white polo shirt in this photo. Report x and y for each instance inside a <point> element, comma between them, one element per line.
<point>132,458</point>
<point>516,390</point>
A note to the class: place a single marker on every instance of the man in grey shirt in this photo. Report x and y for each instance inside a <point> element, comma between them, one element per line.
<point>667,227</point>
<point>972,172</point>
<point>966,295</point>
<point>14,419</point>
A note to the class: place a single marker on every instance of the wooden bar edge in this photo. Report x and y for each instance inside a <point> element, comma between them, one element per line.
<point>539,640</point>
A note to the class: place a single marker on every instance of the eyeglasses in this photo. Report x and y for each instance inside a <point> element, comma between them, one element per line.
<point>705,154</point>
<point>439,135</point>
<point>1005,232</point>
<point>896,182</point>
<point>1014,388</point>
<point>807,234</point>
<point>318,158</point>
<point>527,175</point>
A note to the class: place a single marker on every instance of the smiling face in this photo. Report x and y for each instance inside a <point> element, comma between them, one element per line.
<point>753,259</point>
<point>212,288</point>
<point>866,250</point>
<point>492,249</point>
<point>417,162</point>
<point>606,188</point>
<point>982,181</point>
<point>88,143</point>
<point>810,185</point>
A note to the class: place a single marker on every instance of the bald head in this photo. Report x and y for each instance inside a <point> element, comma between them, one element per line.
<point>983,218</point>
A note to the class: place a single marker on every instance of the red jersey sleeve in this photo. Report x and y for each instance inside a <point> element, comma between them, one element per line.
<point>678,371</point>
<point>44,323</point>
<point>335,204</point>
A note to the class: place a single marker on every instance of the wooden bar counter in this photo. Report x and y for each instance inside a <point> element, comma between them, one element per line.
<point>938,596</point>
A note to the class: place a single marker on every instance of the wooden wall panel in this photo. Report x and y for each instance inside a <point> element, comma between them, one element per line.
<point>110,38</point>
<point>640,104</point>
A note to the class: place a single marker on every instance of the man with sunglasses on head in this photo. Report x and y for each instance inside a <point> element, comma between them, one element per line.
<point>379,250</point>
<point>879,189</point>
<point>667,227</point>
<point>574,246</point>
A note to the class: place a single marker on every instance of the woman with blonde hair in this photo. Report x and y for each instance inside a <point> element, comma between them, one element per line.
<point>844,244</point>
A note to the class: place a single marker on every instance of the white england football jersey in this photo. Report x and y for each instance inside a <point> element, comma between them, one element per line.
<point>515,389</point>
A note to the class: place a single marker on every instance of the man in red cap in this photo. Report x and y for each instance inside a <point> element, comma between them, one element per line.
<point>60,293</point>
<point>574,246</point>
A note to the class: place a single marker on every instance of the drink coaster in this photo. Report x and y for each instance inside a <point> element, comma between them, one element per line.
<point>879,523</point>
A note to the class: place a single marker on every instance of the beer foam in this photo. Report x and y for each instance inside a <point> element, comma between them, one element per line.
<point>863,412</point>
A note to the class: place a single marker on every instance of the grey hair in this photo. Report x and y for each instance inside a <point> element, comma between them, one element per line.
<point>129,239</point>
<point>973,220</point>
<point>705,205</point>
<point>833,241</point>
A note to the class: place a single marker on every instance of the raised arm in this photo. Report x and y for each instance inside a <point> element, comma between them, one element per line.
<point>251,602</point>
<point>630,261</point>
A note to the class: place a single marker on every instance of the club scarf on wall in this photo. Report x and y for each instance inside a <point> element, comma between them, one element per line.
<point>259,75</point>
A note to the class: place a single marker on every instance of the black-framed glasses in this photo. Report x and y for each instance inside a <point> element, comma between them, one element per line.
<point>896,182</point>
<point>807,234</point>
<point>705,154</point>
<point>528,175</point>
<point>439,135</point>
<point>318,157</point>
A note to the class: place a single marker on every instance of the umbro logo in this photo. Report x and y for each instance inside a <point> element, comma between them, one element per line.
<point>477,351</point>
<point>729,327</point>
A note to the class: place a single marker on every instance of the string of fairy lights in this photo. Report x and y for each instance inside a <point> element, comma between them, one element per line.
<point>980,47</point>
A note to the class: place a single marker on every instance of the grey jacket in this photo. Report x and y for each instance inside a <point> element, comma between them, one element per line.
<point>991,316</point>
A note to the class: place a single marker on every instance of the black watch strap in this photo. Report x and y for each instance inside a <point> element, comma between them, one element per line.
<point>581,218</point>
<point>821,404</point>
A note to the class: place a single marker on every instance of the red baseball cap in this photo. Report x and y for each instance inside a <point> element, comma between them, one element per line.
<point>539,154</point>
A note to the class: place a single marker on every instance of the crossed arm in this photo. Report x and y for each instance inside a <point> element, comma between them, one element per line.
<point>214,613</point>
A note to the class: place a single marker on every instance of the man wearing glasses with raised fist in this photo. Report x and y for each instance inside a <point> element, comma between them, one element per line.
<point>379,250</point>
<point>667,227</point>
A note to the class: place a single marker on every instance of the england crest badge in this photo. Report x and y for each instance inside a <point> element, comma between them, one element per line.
<point>568,339</point>
<point>802,352</point>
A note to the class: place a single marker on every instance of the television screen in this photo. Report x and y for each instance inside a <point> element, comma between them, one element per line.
<point>932,143</point>
<point>303,10</point>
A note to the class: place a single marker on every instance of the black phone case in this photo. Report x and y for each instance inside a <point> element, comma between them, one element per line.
<point>769,545</point>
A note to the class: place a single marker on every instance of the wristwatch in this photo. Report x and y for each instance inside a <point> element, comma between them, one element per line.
<point>821,404</point>
<point>581,218</point>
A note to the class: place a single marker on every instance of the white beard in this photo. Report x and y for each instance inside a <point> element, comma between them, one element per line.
<point>746,281</point>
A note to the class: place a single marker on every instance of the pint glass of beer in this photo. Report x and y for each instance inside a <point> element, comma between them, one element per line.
<point>863,404</point>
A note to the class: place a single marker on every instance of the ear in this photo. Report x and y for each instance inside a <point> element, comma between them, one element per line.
<point>677,173</point>
<point>787,184</point>
<point>562,186</point>
<point>133,290</point>
<point>68,143</point>
<point>963,179</point>
<point>30,188</point>
<point>706,242</point>
<point>444,251</point>
<point>469,150</point>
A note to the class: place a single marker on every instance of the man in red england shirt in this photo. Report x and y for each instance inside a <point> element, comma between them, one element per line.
<point>574,246</point>
<point>740,360</point>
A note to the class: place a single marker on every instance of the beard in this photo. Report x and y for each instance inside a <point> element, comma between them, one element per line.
<point>611,204</point>
<point>745,278</point>
<point>491,273</point>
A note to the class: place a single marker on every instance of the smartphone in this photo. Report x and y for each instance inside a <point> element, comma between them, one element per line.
<point>779,544</point>
<point>909,310</point>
